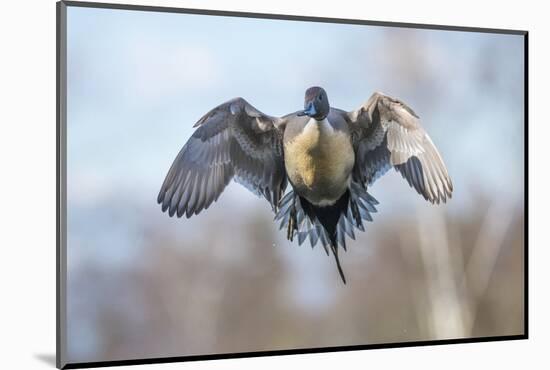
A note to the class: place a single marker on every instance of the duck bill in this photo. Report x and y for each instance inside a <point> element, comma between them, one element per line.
<point>309,111</point>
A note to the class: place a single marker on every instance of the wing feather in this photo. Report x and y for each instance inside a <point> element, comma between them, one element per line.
<point>232,141</point>
<point>387,133</point>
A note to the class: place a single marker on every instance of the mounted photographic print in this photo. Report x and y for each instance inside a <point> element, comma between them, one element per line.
<point>234,184</point>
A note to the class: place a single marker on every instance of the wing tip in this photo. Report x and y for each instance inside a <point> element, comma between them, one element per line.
<point>160,197</point>
<point>441,197</point>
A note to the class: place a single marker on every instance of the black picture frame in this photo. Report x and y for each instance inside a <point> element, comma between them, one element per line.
<point>61,198</point>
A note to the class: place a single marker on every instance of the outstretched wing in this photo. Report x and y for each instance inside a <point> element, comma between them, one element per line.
<point>232,141</point>
<point>387,133</point>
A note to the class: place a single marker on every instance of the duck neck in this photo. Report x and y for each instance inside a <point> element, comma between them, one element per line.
<point>323,124</point>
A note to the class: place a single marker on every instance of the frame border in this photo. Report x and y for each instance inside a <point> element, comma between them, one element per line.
<point>287,17</point>
<point>61,185</point>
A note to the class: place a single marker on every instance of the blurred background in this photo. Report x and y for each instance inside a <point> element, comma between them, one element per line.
<point>141,284</point>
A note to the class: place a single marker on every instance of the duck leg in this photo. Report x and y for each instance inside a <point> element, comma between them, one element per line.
<point>292,224</point>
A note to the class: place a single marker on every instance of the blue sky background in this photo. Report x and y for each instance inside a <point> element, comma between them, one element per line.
<point>138,81</point>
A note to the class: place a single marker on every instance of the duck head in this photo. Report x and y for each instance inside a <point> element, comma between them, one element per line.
<point>316,104</point>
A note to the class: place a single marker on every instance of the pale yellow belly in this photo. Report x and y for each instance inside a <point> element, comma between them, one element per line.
<point>319,163</point>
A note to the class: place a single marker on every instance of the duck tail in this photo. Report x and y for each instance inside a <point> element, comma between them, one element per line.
<point>326,225</point>
<point>329,217</point>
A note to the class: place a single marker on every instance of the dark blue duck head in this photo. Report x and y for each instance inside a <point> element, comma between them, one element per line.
<point>316,103</point>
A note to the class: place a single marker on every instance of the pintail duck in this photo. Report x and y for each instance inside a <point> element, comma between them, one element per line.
<point>329,156</point>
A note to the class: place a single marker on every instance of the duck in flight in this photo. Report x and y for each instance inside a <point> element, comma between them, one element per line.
<point>329,156</point>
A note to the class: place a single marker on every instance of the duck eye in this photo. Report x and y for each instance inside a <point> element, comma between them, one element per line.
<point>320,98</point>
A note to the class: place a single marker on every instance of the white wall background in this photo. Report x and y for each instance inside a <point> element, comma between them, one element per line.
<point>27,162</point>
